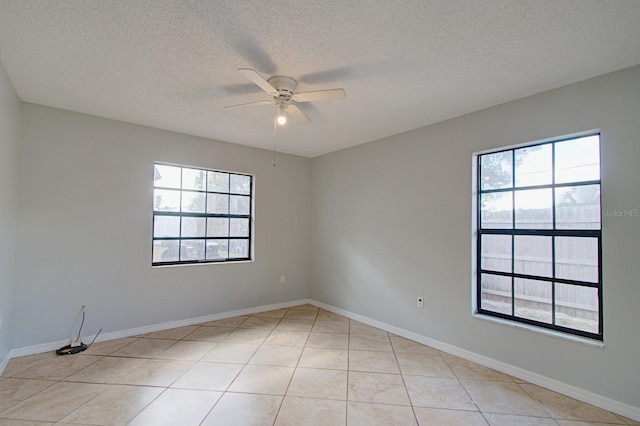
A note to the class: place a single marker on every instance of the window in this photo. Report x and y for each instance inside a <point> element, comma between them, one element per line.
<point>539,239</point>
<point>201,215</point>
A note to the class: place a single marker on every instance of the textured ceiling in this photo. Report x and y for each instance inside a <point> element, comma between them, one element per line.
<point>404,64</point>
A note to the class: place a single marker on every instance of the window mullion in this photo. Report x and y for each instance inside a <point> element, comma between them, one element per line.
<point>553,239</point>
<point>513,226</point>
<point>229,220</point>
<point>478,233</point>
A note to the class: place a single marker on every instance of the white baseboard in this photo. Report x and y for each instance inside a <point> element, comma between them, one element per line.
<point>605,403</point>
<point>51,346</point>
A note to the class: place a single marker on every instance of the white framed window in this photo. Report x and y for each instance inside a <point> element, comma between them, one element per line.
<point>201,215</point>
<point>539,235</point>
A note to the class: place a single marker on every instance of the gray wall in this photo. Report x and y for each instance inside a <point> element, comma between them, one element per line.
<point>9,136</point>
<point>392,221</point>
<point>84,234</point>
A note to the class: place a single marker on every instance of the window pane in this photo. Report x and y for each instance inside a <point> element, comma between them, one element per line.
<point>191,249</point>
<point>166,226</point>
<point>577,307</point>
<point>239,227</point>
<point>533,255</point>
<point>193,227</point>
<point>496,210</point>
<point>217,249</point>
<point>217,203</point>
<point>533,165</point>
<point>496,252</point>
<point>577,258</point>
<point>578,160</point>
<point>238,248</point>
<point>193,202</point>
<point>166,251</point>
<point>578,207</point>
<point>166,200</point>
<point>533,209</point>
<point>166,176</point>
<point>217,182</point>
<point>496,170</point>
<point>240,184</point>
<point>496,293</point>
<point>533,300</point>
<point>217,227</point>
<point>193,179</point>
<point>239,204</point>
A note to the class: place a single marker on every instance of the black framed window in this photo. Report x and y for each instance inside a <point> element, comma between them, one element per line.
<point>539,239</point>
<point>201,215</point>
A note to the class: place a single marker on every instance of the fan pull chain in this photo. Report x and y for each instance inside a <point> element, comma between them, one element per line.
<point>275,127</point>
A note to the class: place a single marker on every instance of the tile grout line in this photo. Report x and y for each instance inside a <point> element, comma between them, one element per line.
<point>550,415</point>
<point>395,356</point>
<point>275,418</point>
<point>19,401</point>
<point>464,388</point>
<point>166,388</point>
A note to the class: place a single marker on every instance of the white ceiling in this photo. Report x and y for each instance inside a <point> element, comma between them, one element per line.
<point>404,64</point>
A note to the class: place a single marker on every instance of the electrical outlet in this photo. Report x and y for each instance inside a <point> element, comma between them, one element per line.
<point>420,302</point>
<point>283,279</point>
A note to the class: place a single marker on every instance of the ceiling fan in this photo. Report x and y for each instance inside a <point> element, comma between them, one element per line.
<point>283,91</point>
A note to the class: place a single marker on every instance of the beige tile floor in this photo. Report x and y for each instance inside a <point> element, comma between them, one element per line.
<point>297,366</point>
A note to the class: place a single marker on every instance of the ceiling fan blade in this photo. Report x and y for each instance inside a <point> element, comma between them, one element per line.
<point>248,104</point>
<point>297,113</point>
<point>257,79</point>
<point>320,95</point>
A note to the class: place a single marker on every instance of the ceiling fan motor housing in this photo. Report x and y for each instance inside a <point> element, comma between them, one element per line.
<point>286,86</point>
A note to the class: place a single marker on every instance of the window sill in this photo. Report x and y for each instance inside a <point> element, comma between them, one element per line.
<point>540,330</point>
<point>174,265</point>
